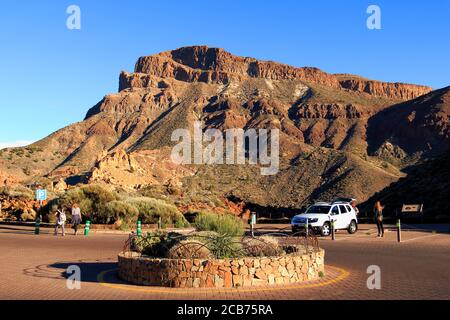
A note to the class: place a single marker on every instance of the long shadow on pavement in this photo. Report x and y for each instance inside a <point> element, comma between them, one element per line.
<point>89,271</point>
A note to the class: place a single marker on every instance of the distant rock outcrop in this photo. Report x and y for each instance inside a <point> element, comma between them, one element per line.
<point>396,91</point>
<point>214,65</point>
<point>420,127</point>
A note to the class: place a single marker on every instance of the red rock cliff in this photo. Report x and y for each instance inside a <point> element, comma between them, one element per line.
<point>214,65</point>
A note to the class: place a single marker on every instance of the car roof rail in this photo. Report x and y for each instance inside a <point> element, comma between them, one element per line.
<point>341,202</point>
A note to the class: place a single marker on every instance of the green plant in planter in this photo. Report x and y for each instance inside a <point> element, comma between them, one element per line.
<point>293,249</point>
<point>224,246</point>
<point>206,245</point>
<point>201,245</point>
<point>262,247</point>
<point>190,249</point>
<point>156,243</point>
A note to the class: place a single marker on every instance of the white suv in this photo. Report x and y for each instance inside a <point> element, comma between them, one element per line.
<point>321,214</point>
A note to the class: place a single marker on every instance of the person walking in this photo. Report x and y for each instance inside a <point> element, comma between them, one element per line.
<point>76,217</point>
<point>378,211</point>
<point>60,222</point>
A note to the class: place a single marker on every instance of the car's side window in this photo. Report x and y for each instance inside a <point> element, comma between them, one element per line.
<point>335,210</point>
<point>343,209</point>
<point>349,209</point>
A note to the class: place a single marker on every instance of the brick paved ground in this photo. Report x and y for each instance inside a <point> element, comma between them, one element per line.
<point>32,267</point>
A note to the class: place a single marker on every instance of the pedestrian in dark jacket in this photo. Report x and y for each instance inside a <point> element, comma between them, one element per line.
<point>378,212</point>
<point>76,217</point>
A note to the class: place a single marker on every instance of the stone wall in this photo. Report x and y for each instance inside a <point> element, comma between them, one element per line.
<point>227,273</point>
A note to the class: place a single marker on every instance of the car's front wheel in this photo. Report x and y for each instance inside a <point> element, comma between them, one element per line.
<point>326,229</point>
<point>353,227</point>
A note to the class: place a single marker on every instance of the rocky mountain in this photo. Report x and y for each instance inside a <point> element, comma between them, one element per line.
<point>412,129</point>
<point>330,144</point>
<point>213,65</point>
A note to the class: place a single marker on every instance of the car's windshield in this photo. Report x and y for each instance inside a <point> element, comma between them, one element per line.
<point>318,209</point>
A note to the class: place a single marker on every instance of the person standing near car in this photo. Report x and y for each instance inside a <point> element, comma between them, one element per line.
<point>76,217</point>
<point>378,211</point>
<point>60,222</point>
<point>353,204</point>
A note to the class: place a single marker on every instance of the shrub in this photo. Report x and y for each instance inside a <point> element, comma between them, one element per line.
<point>205,245</point>
<point>92,200</point>
<point>106,207</point>
<point>150,210</point>
<point>181,223</point>
<point>173,190</point>
<point>220,245</point>
<point>189,249</point>
<point>262,247</point>
<point>222,224</point>
<point>28,215</point>
<point>120,210</point>
<point>50,213</point>
<point>224,246</point>
<point>203,236</point>
<point>201,245</point>
<point>17,192</point>
<point>156,243</point>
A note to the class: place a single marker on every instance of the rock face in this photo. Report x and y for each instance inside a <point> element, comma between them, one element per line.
<point>213,65</point>
<point>19,209</point>
<point>7,179</point>
<point>125,169</point>
<point>413,128</point>
<point>396,91</point>
<point>60,186</point>
<point>340,135</point>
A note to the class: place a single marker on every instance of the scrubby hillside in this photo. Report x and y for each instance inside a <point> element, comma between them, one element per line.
<point>427,183</point>
<point>413,129</point>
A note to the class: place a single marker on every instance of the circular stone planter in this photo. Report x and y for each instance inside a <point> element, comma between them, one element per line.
<point>226,273</point>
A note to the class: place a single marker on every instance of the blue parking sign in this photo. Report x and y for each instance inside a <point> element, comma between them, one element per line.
<point>41,194</point>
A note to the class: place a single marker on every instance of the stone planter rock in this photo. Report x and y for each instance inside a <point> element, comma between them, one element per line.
<point>226,273</point>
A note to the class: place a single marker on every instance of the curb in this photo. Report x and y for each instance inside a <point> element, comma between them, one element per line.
<point>92,230</point>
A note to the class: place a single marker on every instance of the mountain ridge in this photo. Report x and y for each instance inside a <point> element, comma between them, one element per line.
<point>210,65</point>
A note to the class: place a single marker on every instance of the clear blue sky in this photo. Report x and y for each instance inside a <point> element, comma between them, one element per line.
<point>50,76</point>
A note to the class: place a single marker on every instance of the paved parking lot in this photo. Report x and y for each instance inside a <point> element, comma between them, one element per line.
<point>32,267</point>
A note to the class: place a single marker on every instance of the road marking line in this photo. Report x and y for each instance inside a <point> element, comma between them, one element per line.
<point>343,238</point>
<point>346,237</point>
<point>422,237</point>
<point>343,274</point>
